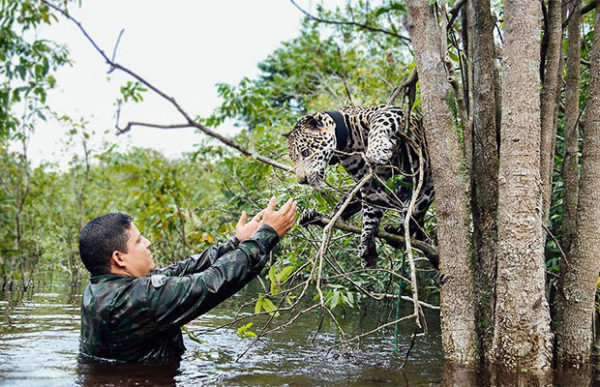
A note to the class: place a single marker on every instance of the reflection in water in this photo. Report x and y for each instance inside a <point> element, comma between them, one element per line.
<point>457,376</point>
<point>39,340</point>
<point>99,373</point>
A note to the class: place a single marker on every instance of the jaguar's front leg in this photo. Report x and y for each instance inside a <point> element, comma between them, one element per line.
<point>380,148</point>
<point>371,217</point>
<point>313,216</point>
<point>310,216</point>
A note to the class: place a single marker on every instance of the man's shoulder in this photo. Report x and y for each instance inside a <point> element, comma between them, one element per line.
<point>104,290</point>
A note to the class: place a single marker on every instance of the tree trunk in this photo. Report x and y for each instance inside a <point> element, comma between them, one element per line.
<point>467,78</point>
<point>451,202</point>
<point>485,170</point>
<point>549,102</point>
<point>522,336</point>
<point>570,169</point>
<point>576,298</point>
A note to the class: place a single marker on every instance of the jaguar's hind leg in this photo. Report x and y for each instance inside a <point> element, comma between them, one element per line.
<point>371,217</point>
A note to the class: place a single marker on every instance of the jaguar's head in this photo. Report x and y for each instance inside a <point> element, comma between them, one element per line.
<point>311,145</point>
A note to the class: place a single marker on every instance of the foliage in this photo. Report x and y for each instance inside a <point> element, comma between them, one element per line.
<point>244,333</point>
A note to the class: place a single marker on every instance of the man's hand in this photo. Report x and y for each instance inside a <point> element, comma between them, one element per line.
<point>281,220</point>
<point>245,230</point>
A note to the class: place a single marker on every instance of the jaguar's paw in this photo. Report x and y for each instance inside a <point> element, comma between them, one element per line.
<point>368,254</point>
<point>309,217</point>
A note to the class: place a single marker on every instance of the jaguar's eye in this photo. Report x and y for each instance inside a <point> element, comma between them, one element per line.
<point>305,153</point>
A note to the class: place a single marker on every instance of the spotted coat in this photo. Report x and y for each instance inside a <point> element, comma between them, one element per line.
<point>360,139</point>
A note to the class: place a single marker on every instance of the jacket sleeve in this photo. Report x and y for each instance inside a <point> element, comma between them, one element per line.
<point>174,301</point>
<point>198,262</point>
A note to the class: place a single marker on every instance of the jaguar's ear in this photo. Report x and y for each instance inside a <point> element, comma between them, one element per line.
<point>287,135</point>
<point>314,122</point>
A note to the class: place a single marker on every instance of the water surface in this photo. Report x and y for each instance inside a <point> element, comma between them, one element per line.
<point>39,338</point>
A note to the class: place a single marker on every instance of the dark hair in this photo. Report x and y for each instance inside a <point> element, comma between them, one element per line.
<point>100,237</point>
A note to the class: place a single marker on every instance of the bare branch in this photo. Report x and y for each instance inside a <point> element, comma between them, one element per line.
<point>328,231</point>
<point>408,82</point>
<point>358,337</point>
<point>588,8</point>
<point>350,23</point>
<point>454,12</point>
<point>191,122</point>
<point>115,48</point>
<point>341,74</point>
<point>150,125</point>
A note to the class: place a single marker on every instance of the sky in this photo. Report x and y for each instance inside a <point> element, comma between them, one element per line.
<point>184,47</point>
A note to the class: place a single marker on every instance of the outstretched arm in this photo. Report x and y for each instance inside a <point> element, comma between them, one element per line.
<point>200,262</point>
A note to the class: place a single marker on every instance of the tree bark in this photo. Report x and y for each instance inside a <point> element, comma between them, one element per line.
<point>451,202</point>
<point>467,75</point>
<point>522,336</point>
<point>485,171</point>
<point>570,169</point>
<point>574,333</point>
<point>549,102</point>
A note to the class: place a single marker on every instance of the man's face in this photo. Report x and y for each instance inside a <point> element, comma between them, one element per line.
<point>138,258</point>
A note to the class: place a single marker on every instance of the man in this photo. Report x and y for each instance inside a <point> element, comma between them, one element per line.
<point>133,312</point>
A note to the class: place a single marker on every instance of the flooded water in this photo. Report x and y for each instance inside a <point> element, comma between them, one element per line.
<point>39,339</point>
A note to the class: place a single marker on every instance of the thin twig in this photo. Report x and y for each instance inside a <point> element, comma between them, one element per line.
<point>341,74</point>
<point>358,337</point>
<point>116,47</point>
<point>562,253</point>
<point>350,23</point>
<point>410,347</point>
<point>328,230</point>
<point>407,240</point>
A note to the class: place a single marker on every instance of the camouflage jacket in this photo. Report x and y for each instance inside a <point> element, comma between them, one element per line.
<point>139,319</point>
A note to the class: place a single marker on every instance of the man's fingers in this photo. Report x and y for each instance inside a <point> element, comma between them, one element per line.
<point>291,209</point>
<point>286,207</point>
<point>243,218</point>
<point>271,206</point>
<point>258,217</point>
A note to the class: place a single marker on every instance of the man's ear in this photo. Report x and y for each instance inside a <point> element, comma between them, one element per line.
<point>117,260</point>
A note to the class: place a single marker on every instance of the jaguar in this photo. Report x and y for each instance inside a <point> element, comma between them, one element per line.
<point>364,139</point>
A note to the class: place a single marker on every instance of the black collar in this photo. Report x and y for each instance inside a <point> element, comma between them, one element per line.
<point>341,130</point>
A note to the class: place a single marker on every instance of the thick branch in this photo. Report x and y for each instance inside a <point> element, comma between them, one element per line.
<point>454,12</point>
<point>394,239</point>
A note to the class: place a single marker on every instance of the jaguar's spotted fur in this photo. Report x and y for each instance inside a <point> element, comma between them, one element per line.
<point>360,138</point>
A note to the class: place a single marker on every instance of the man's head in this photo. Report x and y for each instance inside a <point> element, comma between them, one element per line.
<point>112,244</point>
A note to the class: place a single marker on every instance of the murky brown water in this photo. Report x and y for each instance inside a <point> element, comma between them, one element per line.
<point>39,333</point>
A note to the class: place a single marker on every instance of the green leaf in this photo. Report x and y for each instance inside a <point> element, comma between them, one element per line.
<point>243,331</point>
<point>284,274</point>
<point>268,306</point>
<point>258,305</point>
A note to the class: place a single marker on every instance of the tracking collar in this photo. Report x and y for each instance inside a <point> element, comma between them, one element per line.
<point>341,130</point>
